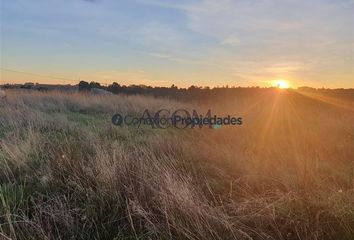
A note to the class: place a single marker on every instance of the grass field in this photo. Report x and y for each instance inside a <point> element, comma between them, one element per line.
<point>66,172</point>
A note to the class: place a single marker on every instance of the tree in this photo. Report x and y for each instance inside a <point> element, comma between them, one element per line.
<point>84,86</point>
<point>114,88</point>
<point>95,85</point>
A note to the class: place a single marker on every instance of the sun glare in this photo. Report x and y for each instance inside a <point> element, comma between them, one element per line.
<point>280,83</point>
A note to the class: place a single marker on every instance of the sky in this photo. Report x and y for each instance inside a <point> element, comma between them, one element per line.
<point>184,42</point>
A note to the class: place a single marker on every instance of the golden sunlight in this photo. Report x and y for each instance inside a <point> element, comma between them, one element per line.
<point>280,83</point>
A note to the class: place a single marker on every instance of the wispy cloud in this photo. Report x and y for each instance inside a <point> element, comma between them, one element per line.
<point>90,0</point>
<point>126,77</point>
<point>233,41</point>
<point>240,39</point>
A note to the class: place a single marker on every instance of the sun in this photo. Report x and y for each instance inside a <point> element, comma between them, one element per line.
<point>280,83</point>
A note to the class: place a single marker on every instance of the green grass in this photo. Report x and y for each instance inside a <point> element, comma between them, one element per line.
<point>85,119</point>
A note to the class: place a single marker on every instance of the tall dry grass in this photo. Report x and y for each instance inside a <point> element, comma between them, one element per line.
<point>68,173</point>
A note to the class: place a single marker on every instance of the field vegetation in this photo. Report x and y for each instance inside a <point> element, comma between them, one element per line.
<point>66,172</point>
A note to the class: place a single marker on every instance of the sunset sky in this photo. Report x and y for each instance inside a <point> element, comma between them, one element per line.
<point>160,43</point>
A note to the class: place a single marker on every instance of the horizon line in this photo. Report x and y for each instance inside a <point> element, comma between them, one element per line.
<point>173,85</point>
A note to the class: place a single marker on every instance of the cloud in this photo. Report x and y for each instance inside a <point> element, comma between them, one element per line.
<point>233,41</point>
<point>124,77</point>
<point>158,35</point>
<point>244,39</point>
<point>165,56</point>
<point>171,5</point>
<point>285,68</point>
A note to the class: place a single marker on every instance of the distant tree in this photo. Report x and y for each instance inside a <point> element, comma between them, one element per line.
<point>28,85</point>
<point>114,88</point>
<point>95,85</point>
<point>191,88</point>
<point>305,88</point>
<point>42,89</point>
<point>84,86</point>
